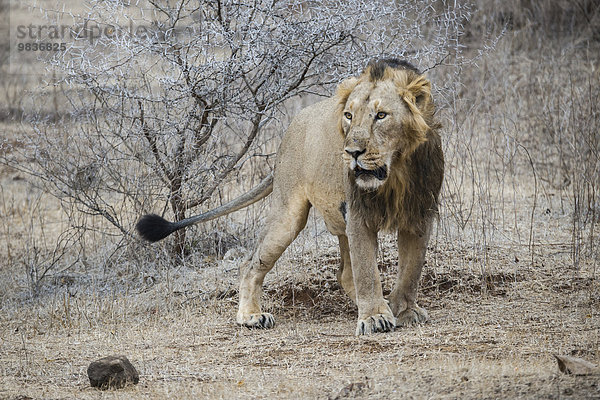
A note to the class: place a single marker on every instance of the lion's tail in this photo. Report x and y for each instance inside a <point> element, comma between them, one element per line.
<point>153,227</point>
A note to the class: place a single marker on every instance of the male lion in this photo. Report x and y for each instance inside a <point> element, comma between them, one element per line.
<point>369,159</point>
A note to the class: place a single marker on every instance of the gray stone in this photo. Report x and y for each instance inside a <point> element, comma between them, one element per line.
<point>575,366</point>
<point>113,372</point>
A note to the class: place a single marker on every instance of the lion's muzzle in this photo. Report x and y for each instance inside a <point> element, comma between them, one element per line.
<point>360,169</point>
<point>379,173</point>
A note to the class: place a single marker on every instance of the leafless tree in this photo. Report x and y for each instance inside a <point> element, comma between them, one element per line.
<point>171,98</point>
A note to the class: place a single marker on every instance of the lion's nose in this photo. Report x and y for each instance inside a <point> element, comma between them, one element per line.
<point>354,153</point>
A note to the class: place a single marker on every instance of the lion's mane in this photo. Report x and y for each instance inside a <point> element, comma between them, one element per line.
<point>409,196</point>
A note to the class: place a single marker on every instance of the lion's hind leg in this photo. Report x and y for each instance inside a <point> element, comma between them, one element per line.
<point>284,224</point>
<point>403,299</point>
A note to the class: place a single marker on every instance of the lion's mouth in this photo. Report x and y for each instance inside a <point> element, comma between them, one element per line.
<point>379,173</point>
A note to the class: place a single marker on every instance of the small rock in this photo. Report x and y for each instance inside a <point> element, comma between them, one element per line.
<point>575,366</point>
<point>113,372</point>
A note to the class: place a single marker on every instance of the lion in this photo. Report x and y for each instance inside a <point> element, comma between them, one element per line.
<point>369,159</point>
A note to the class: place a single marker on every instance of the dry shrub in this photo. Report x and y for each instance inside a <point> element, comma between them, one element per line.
<point>567,130</point>
<point>541,20</point>
<point>522,136</point>
<point>189,114</point>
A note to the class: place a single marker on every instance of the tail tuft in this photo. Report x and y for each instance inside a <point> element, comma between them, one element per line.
<point>153,227</point>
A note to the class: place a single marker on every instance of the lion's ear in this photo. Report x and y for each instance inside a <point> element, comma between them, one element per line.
<point>417,95</point>
<point>345,88</point>
<point>420,90</point>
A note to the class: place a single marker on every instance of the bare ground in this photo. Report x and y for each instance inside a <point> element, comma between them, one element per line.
<point>490,335</point>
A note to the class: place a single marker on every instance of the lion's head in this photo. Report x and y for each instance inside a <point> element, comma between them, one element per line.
<point>384,114</point>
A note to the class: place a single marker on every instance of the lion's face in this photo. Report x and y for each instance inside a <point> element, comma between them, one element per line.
<point>381,122</point>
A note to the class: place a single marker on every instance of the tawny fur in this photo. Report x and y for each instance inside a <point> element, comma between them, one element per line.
<point>368,159</point>
<point>409,197</point>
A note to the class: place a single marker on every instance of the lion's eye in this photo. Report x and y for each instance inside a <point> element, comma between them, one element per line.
<point>348,116</point>
<point>381,115</point>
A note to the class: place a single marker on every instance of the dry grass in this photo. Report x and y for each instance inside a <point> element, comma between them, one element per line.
<point>511,275</point>
<point>485,340</point>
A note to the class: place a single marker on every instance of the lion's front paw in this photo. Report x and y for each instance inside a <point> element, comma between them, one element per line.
<point>375,323</point>
<point>412,315</point>
<point>258,321</point>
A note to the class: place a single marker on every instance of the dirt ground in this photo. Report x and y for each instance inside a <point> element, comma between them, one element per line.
<point>490,337</point>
